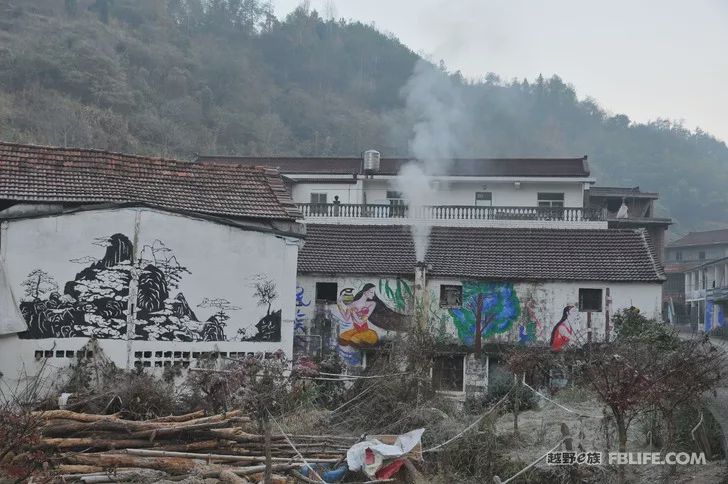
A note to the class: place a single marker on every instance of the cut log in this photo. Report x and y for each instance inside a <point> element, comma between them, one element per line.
<point>180,418</point>
<point>85,442</point>
<point>170,465</point>
<point>178,429</point>
<point>228,477</point>
<point>136,475</point>
<point>70,415</point>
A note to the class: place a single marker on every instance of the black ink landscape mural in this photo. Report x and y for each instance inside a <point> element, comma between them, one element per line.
<point>96,302</point>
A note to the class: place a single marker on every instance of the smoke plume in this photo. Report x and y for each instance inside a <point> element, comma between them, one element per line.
<point>434,104</point>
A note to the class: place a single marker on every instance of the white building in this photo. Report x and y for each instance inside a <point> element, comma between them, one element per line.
<point>479,192</point>
<point>162,262</point>
<point>511,236</point>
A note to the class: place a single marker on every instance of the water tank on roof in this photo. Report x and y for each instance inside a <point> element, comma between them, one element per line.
<point>371,161</point>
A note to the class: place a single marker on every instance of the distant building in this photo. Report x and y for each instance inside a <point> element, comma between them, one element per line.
<point>165,263</point>
<point>688,266</point>
<point>698,246</point>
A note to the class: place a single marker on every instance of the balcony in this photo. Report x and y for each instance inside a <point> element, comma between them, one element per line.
<point>717,294</point>
<point>443,214</point>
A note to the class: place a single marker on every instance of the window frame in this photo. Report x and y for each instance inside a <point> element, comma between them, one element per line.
<point>486,201</point>
<point>317,206</point>
<point>582,298</point>
<point>550,199</point>
<point>320,300</point>
<point>456,287</point>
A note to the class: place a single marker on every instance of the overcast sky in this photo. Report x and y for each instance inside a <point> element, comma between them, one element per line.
<point>643,58</point>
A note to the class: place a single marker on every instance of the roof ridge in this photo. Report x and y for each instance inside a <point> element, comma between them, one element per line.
<point>88,150</point>
<point>276,185</point>
<point>647,240</point>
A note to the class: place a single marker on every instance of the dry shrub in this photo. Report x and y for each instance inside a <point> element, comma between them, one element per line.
<point>476,456</point>
<point>99,386</point>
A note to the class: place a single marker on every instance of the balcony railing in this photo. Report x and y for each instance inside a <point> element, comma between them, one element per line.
<point>717,293</point>
<point>450,212</point>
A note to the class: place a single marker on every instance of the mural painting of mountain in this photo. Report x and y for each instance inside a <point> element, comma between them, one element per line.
<point>95,303</point>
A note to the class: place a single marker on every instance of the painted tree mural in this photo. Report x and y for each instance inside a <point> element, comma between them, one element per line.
<point>38,284</point>
<point>488,308</point>
<point>269,326</point>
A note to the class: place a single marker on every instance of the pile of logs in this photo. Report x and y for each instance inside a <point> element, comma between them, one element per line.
<point>86,447</point>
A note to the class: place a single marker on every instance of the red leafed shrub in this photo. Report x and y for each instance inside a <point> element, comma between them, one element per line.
<point>19,439</point>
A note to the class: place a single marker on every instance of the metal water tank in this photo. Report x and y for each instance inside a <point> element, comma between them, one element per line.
<point>371,161</point>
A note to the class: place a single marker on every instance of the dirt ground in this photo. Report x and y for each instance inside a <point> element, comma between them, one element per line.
<point>540,430</point>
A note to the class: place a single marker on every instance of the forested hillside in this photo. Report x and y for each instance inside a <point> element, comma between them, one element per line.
<point>178,77</point>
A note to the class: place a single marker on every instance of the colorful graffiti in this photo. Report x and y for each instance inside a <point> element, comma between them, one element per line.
<point>365,316</point>
<point>530,329</point>
<point>357,311</point>
<point>299,323</point>
<point>400,297</point>
<point>488,308</point>
<point>714,316</point>
<point>563,332</point>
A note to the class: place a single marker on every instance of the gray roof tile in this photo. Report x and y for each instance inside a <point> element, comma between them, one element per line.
<point>483,253</point>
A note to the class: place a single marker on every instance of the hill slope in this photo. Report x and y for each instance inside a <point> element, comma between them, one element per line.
<point>175,77</point>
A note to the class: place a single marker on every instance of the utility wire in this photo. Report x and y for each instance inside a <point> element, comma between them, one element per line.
<point>476,422</point>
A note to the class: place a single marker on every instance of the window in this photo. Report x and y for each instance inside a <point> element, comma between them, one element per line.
<point>397,205</point>
<point>318,203</point>
<point>483,199</point>
<point>590,300</point>
<point>678,255</point>
<point>701,255</point>
<point>393,194</point>
<point>550,199</point>
<point>326,292</point>
<point>447,373</point>
<point>451,296</point>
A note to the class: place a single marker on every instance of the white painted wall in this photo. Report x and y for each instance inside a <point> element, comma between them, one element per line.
<point>448,193</point>
<point>223,262</point>
<point>347,192</point>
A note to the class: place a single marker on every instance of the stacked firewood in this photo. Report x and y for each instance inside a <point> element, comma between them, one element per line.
<point>86,447</point>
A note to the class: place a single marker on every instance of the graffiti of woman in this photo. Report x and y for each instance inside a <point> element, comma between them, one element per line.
<point>563,332</point>
<point>366,307</point>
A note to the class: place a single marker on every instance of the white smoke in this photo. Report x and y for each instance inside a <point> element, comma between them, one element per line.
<point>433,102</point>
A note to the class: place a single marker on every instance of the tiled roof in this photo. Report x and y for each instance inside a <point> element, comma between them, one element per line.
<point>483,253</point>
<point>522,167</point>
<point>708,237</point>
<point>67,175</point>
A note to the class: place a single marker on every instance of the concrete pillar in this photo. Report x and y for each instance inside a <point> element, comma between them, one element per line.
<point>716,276</point>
